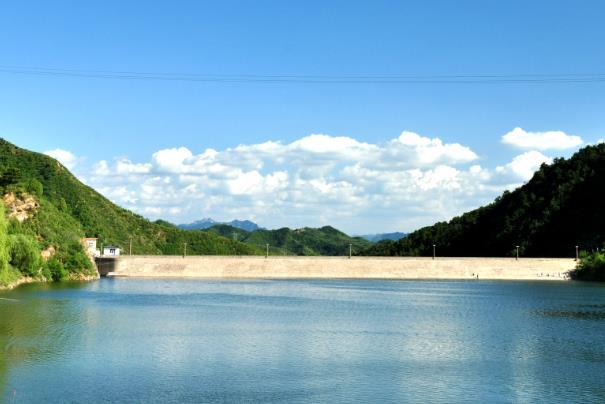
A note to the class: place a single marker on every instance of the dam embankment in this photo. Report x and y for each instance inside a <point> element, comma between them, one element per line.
<point>242,267</point>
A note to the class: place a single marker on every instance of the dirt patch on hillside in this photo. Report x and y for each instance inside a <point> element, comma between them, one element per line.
<point>48,253</point>
<point>20,207</point>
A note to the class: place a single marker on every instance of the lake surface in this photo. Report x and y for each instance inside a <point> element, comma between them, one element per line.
<point>125,340</point>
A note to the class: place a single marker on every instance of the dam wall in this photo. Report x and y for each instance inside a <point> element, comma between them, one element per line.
<point>241,267</point>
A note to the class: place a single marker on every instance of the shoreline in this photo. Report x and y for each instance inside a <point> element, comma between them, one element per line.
<point>21,281</point>
<point>27,280</point>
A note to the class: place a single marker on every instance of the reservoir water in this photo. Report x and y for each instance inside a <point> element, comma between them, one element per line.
<point>126,340</point>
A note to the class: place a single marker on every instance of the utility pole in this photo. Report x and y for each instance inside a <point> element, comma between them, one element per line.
<point>577,254</point>
<point>350,250</point>
<point>267,252</point>
<point>434,251</point>
<point>517,253</point>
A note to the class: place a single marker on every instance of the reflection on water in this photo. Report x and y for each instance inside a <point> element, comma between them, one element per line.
<point>580,311</point>
<point>33,328</point>
<point>303,341</point>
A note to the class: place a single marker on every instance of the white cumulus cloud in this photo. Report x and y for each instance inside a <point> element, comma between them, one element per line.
<point>400,184</point>
<point>524,165</point>
<point>550,140</point>
<point>67,158</point>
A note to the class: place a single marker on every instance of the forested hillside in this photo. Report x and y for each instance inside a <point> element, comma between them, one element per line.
<point>306,241</point>
<point>559,208</point>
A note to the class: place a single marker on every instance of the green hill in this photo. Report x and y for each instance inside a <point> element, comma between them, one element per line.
<point>559,208</point>
<point>306,241</point>
<point>61,210</point>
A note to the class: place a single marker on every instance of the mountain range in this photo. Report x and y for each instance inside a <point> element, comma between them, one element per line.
<point>206,223</point>
<point>305,241</point>
<point>375,238</point>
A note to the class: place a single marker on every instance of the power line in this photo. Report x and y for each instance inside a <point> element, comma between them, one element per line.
<point>309,79</point>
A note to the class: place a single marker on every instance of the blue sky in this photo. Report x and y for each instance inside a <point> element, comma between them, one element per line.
<point>115,120</point>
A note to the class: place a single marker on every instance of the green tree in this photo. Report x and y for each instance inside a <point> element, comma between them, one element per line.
<point>591,267</point>
<point>24,254</point>
<point>4,255</point>
<point>7,274</point>
<point>56,269</point>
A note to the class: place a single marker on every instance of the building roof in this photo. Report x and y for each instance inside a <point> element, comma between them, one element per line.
<point>111,246</point>
<point>90,238</point>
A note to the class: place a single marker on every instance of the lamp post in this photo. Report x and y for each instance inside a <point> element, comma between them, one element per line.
<point>350,250</point>
<point>130,247</point>
<point>434,251</point>
<point>267,252</point>
<point>517,253</point>
<point>577,253</point>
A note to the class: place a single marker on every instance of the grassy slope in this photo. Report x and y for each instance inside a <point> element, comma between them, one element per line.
<point>306,241</point>
<point>559,208</point>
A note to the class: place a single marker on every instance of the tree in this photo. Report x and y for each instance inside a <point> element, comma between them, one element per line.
<point>24,254</point>
<point>4,256</point>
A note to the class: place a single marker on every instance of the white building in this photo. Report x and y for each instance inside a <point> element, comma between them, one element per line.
<point>90,243</point>
<point>111,250</point>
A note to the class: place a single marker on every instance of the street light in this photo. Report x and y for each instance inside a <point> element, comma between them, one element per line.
<point>517,253</point>
<point>577,253</point>
<point>434,253</point>
<point>267,252</point>
<point>350,250</point>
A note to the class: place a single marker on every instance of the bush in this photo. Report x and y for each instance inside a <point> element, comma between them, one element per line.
<point>24,254</point>
<point>56,269</point>
<point>591,267</point>
<point>75,259</point>
<point>8,276</point>
<point>34,187</point>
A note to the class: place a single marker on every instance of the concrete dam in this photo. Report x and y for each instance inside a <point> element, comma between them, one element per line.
<point>293,267</point>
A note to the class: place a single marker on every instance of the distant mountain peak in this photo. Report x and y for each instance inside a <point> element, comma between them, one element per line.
<point>383,236</point>
<point>207,222</point>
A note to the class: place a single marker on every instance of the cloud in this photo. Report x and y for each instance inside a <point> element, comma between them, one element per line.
<point>125,166</point>
<point>424,151</point>
<point>65,157</point>
<point>524,165</point>
<point>400,184</point>
<point>550,140</point>
<point>172,160</point>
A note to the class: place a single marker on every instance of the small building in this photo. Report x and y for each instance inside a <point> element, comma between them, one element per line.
<point>90,243</point>
<point>111,251</point>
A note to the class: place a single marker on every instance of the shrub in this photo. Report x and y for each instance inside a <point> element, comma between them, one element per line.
<point>56,269</point>
<point>8,276</point>
<point>590,267</point>
<point>75,259</point>
<point>34,187</point>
